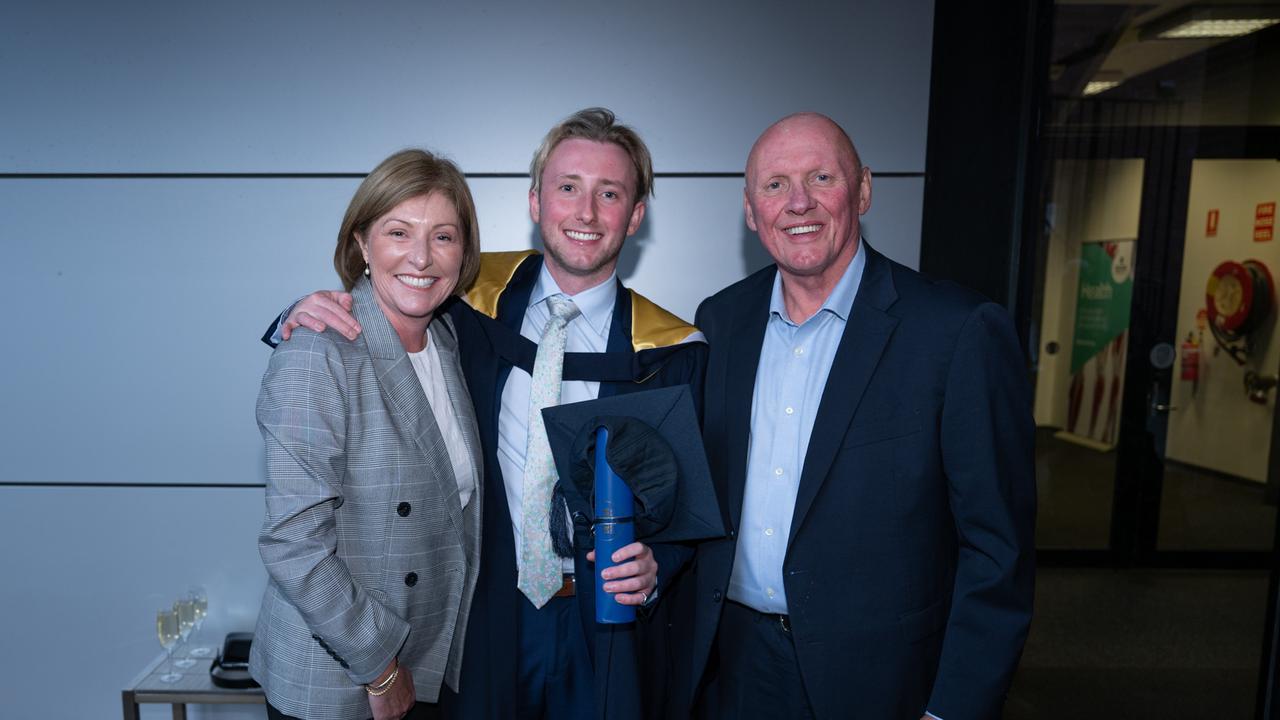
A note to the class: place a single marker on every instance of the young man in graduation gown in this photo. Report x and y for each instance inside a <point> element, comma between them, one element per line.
<point>546,656</point>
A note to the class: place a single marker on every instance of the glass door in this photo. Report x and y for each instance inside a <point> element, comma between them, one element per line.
<point>1089,249</point>
<point>1155,358</point>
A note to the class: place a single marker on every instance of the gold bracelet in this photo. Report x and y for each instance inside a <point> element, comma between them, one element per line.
<point>387,681</point>
<point>380,690</point>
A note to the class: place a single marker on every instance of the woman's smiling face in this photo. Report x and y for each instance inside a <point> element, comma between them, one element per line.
<point>414,253</point>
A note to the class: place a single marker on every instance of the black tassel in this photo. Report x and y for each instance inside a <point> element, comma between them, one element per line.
<point>558,524</point>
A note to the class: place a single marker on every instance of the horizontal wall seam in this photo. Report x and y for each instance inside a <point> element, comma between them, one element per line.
<point>347,176</point>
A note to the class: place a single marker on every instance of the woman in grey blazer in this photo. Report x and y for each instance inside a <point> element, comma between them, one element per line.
<point>372,527</point>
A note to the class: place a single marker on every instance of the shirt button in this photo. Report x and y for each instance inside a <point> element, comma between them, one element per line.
<point>791,411</point>
<point>768,531</point>
<point>777,471</point>
<point>768,591</point>
<point>799,351</point>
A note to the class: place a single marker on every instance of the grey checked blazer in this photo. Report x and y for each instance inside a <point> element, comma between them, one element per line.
<point>368,550</point>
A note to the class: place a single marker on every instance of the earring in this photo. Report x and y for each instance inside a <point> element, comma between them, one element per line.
<point>366,271</point>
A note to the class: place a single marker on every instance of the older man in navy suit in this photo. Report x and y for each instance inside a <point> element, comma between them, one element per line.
<point>870,437</point>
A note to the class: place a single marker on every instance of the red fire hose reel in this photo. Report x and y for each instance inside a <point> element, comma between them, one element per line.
<point>1239,297</point>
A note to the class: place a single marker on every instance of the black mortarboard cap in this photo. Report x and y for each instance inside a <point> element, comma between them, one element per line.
<point>655,446</point>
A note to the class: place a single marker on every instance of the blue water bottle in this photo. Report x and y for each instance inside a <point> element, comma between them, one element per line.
<point>614,529</point>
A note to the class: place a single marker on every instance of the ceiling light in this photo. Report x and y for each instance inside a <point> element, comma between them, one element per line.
<point>1210,21</point>
<point>1093,87</point>
<point>1216,28</point>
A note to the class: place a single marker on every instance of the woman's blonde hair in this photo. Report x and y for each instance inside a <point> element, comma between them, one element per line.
<point>407,174</point>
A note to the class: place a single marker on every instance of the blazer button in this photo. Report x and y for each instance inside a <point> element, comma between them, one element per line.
<point>715,596</point>
<point>411,579</point>
<point>403,509</point>
<point>579,518</point>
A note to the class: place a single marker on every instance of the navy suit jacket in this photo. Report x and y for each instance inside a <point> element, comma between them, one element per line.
<point>909,569</point>
<point>644,352</point>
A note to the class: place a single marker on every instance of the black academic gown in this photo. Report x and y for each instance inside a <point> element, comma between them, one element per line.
<point>644,352</point>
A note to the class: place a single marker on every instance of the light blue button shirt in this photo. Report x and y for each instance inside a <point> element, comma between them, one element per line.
<point>588,332</point>
<point>794,363</point>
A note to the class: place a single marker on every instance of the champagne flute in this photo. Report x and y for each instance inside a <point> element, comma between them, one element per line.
<point>167,633</point>
<point>185,609</point>
<point>200,599</point>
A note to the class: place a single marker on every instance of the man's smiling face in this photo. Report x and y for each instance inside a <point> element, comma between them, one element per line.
<point>585,208</point>
<point>805,193</point>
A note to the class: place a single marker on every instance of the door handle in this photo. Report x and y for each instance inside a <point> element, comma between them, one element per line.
<point>1154,396</point>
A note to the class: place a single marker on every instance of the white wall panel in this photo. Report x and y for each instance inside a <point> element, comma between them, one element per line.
<point>85,571</point>
<point>333,86</point>
<point>141,304</point>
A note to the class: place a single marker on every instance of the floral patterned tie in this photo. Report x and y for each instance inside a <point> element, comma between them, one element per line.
<point>541,573</point>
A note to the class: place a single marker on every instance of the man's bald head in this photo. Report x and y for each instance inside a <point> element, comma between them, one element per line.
<point>812,121</point>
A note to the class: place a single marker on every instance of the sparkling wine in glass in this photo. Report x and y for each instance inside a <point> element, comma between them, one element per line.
<point>200,599</point>
<point>185,609</point>
<point>167,632</point>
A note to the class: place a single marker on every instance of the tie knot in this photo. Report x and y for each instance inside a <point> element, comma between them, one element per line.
<point>562,308</point>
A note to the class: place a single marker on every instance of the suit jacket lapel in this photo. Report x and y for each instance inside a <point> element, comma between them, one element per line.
<point>865,336</point>
<point>746,339</point>
<point>402,389</point>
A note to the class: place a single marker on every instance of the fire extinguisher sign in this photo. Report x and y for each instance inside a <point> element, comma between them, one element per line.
<point>1264,222</point>
<point>1190,352</point>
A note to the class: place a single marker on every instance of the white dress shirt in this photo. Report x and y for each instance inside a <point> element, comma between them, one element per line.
<point>588,332</point>
<point>795,362</point>
<point>426,365</point>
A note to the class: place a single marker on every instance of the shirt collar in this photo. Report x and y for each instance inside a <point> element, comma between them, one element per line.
<point>595,304</point>
<point>839,302</point>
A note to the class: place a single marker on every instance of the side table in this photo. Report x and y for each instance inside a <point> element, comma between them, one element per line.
<point>195,686</point>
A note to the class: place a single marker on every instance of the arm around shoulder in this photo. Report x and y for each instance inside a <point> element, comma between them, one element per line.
<point>319,311</point>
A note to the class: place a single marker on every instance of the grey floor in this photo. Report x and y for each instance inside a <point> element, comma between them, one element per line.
<point>1160,644</point>
<point>1198,510</point>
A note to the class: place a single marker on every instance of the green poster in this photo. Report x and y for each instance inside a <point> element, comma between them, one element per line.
<point>1102,304</point>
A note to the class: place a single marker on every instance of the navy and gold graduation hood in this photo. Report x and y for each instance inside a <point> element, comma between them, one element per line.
<point>641,338</point>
